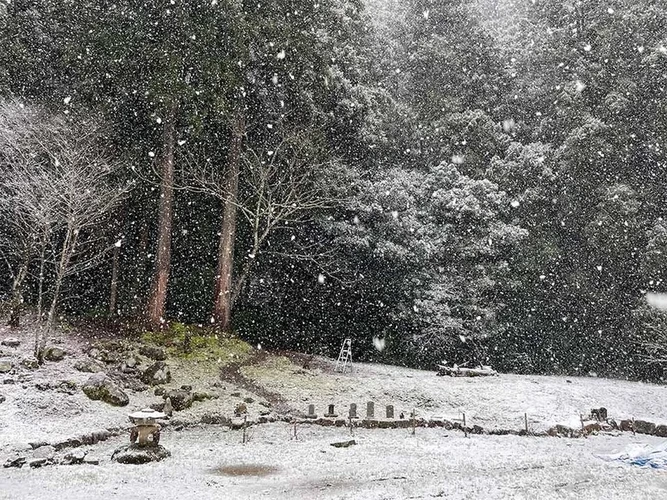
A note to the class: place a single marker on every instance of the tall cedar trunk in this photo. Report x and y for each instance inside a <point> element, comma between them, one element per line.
<point>222,311</point>
<point>158,295</point>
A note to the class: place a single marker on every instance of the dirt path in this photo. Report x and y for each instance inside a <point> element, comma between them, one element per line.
<point>232,373</point>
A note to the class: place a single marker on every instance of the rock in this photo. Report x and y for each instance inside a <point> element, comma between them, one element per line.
<point>91,461</point>
<point>29,363</point>
<point>54,354</point>
<point>15,462</point>
<point>74,457</point>
<point>248,400</point>
<point>643,427</point>
<point>129,365</point>
<point>265,404</point>
<point>11,342</point>
<point>9,381</point>
<point>241,409</point>
<point>134,384</point>
<point>156,374</point>
<point>153,352</point>
<point>46,451</point>
<point>101,387</point>
<point>6,366</point>
<point>37,462</point>
<point>203,396</point>
<point>344,444</point>
<point>135,454</point>
<point>235,394</point>
<point>660,430</point>
<point>168,408</point>
<point>89,366</point>
<point>180,399</point>
<point>159,391</point>
<point>2,399</point>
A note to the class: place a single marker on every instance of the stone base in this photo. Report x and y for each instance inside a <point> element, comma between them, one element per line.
<point>135,454</point>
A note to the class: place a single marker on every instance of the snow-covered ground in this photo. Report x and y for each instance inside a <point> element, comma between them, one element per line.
<point>385,464</point>
<point>491,402</point>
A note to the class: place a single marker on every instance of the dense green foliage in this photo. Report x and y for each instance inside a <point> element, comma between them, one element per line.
<point>489,175</point>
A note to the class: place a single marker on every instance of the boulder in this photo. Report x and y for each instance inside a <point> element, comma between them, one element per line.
<point>660,430</point>
<point>241,409</point>
<point>15,462</point>
<point>46,451</point>
<point>11,342</point>
<point>643,427</point>
<point>54,354</point>
<point>74,457</point>
<point>6,366</point>
<point>89,366</point>
<point>2,399</point>
<point>153,352</point>
<point>129,365</point>
<point>38,462</point>
<point>180,399</point>
<point>29,363</point>
<point>135,454</point>
<point>101,387</point>
<point>156,374</point>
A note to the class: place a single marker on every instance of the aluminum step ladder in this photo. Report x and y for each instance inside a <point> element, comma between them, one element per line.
<point>345,357</point>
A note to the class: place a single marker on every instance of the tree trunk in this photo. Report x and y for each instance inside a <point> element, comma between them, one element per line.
<point>69,245</point>
<point>158,295</point>
<point>113,292</point>
<point>222,311</point>
<point>16,303</point>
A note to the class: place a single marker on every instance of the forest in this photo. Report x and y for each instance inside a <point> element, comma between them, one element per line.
<point>478,181</point>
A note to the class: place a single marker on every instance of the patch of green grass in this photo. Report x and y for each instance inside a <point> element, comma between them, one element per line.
<point>191,342</point>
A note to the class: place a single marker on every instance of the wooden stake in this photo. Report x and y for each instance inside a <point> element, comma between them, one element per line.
<point>525,421</point>
<point>465,429</point>
<point>245,425</point>
<point>414,421</point>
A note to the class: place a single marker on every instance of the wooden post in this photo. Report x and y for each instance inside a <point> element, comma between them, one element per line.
<point>633,426</point>
<point>245,425</point>
<point>525,421</point>
<point>465,430</point>
<point>414,421</point>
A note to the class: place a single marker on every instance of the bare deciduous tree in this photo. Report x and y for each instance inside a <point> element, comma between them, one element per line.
<point>60,185</point>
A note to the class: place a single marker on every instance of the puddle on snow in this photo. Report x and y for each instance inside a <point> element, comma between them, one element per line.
<point>256,470</point>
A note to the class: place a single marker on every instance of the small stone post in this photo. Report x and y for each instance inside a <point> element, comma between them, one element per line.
<point>370,409</point>
<point>390,411</point>
<point>353,410</point>
<point>331,412</point>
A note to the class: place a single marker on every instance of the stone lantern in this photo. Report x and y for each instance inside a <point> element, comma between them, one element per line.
<point>147,430</point>
<point>144,444</point>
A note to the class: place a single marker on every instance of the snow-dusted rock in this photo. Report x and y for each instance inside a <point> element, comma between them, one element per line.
<point>46,451</point>
<point>156,374</point>
<point>89,366</point>
<point>54,354</point>
<point>6,366</point>
<point>101,387</point>
<point>17,461</point>
<point>11,342</point>
<point>153,352</point>
<point>180,399</point>
<point>74,457</point>
<point>135,454</point>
